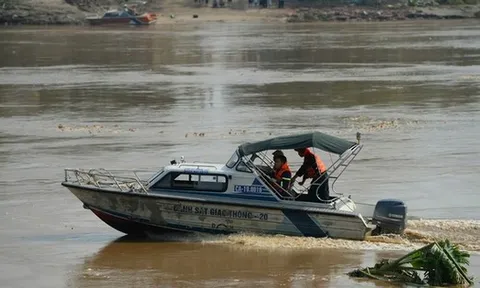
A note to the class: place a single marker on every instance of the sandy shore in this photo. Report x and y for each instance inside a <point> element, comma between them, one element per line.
<point>42,12</point>
<point>340,14</point>
<point>185,15</point>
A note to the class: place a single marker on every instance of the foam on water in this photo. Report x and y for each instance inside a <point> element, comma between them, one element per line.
<point>464,233</point>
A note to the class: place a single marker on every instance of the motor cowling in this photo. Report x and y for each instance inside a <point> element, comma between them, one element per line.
<point>390,217</point>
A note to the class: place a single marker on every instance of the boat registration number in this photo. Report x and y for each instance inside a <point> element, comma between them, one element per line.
<point>247,189</point>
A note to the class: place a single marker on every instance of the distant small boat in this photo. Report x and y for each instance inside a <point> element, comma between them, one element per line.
<point>123,16</point>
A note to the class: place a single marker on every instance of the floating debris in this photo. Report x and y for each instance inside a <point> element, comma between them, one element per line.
<point>219,134</point>
<point>442,264</point>
<point>92,129</point>
<point>368,124</point>
<point>239,132</point>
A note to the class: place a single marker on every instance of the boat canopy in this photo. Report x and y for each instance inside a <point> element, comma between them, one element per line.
<point>317,140</point>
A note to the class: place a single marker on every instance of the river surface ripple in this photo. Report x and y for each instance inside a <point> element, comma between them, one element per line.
<point>136,98</point>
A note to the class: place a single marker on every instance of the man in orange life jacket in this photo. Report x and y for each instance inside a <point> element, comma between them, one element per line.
<point>313,168</point>
<point>281,171</point>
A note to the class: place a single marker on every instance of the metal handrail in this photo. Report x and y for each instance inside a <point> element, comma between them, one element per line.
<point>250,163</point>
<point>254,168</point>
<point>297,193</point>
<point>92,176</point>
<point>198,166</point>
<point>343,161</point>
<point>346,160</point>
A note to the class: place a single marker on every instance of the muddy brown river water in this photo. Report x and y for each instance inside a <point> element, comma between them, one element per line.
<point>129,98</point>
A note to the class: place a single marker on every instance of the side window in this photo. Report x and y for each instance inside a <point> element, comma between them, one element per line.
<point>242,167</point>
<point>184,181</point>
<point>194,178</point>
<point>178,180</point>
<point>182,178</point>
<point>216,183</point>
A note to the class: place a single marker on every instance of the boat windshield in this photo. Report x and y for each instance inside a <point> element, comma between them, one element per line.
<point>233,160</point>
<point>155,176</point>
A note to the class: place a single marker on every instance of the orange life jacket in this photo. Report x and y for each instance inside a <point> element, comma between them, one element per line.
<point>311,172</point>
<point>279,172</point>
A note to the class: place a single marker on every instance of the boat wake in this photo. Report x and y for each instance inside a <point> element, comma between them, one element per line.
<point>465,233</point>
<point>462,232</point>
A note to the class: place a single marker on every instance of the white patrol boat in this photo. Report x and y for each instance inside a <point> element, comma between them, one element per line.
<point>234,197</point>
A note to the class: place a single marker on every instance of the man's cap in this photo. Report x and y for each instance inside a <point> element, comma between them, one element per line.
<point>278,153</point>
<point>281,157</point>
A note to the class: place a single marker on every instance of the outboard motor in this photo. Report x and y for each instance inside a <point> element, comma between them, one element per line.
<point>390,216</point>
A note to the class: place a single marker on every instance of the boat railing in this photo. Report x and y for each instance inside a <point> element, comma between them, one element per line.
<point>281,193</point>
<point>333,172</point>
<point>339,166</point>
<point>92,15</point>
<point>102,178</point>
<point>197,166</point>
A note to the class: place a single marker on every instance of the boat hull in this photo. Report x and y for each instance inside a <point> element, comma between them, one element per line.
<point>133,213</point>
<point>125,225</point>
<point>145,19</point>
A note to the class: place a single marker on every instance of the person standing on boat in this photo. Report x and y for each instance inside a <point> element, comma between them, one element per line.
<point>314,169</point>
<point>277,153</point>
<point>281,173</point>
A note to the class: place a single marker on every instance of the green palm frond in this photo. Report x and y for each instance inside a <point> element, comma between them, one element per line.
<point>442,263</point>
<point>460,256</point>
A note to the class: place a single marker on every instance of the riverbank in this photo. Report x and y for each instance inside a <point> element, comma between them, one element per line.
<point>51,12</point>
<point>39,12</point>
<point>385,13</point>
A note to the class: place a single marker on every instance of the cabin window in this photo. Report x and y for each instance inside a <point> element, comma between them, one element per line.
<point>242,167</point>
<point>233,160</point>
<point>187,181</point>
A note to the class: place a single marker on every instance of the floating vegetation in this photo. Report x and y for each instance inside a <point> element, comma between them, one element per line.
<point>441,263</point>
<point>368,124</point>
<point>93,129</point>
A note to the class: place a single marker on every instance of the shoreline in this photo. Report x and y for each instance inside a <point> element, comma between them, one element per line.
<point>387,13</point>
<point>58,13</point>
